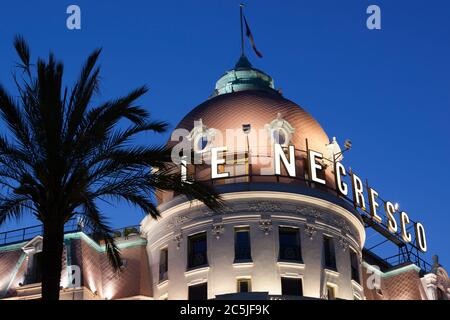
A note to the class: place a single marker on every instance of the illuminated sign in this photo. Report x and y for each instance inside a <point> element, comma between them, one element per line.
<point>286,157</point>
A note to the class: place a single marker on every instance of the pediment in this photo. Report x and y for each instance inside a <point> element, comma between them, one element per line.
<point>33,246</point>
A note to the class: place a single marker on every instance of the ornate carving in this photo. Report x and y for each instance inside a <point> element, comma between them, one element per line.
<point>264,206</point>
<point>301,210</point>
<point>206,211</point>
<point>218,229</point>
<point>343,225</point>
<point>343,242</point>
<point>177,220</point>
<point>178,238</point>
<point>282,127</point>
<point>228,208</point>
<point>309,212</point>
<point>265,225</point>
<point>310,230</point>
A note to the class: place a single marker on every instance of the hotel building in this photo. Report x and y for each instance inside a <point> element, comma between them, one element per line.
<point>278,237</point>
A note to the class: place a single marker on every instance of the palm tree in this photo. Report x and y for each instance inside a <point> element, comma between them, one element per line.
<point>62,155</point>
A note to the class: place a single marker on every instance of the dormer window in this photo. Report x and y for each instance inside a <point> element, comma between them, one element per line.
<point>279,136</point>
<point>280,131</point>
<point>201,136</point>
<point>33,250</point>
<point>201,143</point>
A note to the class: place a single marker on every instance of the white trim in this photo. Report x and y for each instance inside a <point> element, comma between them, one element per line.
<point>193,272</point>
<point>391,273</point>
<point>250,195</point>
<point>285,264</point>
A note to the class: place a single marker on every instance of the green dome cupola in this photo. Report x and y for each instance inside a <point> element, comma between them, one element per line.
<point>243,77</point>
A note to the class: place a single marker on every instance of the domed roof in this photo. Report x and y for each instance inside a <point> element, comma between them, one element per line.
<point>245,97</point>
<point>258,108</point>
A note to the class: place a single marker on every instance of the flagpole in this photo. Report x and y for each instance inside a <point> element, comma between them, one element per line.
<point>241,6</point>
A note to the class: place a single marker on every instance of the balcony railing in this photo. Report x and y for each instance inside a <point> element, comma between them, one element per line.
<point>75,224</point>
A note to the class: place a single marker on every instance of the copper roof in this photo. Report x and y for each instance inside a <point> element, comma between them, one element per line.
<point>258,108</point>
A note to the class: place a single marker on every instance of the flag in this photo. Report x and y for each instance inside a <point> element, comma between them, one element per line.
<point>249,34</point>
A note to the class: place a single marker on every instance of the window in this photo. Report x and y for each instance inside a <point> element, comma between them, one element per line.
<point>244,285</point>
<point>329,254</point>
<point>291,286</point>
<point>163,264</point>
<point>279,136</point>
<point>331,292</point>
<point>354,265</point>
<point>35,272</point>
<point>198,292</point>
<point>290,249</point>
<point>197,250</point>
<point>242,249</point>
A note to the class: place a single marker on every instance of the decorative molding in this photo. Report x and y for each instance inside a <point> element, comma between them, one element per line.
<point>310,230</point>
<point>218,229</point>
<point>285,202</point>
<point>201,131</point>
<point>178,220</point>
<point>266,225</point>
<point>264,206</point>
<point>178,238</point>
<point>281,125</point>
<point>309,212</point>
<point>343,242</point>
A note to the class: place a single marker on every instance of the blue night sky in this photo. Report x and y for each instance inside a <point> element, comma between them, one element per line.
<point>387,90</point>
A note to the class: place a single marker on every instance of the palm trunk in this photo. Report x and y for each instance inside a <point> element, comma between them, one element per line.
<point>51,258</point>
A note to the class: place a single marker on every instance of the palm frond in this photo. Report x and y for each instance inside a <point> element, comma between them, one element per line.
<point>13,207</point>
<point>97,222</point>
<point>23,51</point>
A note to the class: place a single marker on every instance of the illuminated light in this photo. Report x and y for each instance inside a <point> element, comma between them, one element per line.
<point>108,294</point>
<point>404,221</point>
<point>389,208</point>
<point>289,165</point>
<point>340,172</point>
<point>314,166</point>
<point>420,236</point>
<point>293,265</point>
<point>215,162</point>
<point>373,195</point>
<point>243,265</point>
<point>358,197</point>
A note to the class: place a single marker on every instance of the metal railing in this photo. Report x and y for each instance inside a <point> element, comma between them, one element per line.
<point>28,233</point>
<point>75,224</point>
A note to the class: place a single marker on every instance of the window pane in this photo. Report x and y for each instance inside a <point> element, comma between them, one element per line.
<point>354,265</point>
<point>244,285</point>
<point>242,249</point>
<point>198,292</point>
<point>163,264</point>
<point>197,250</point>
<point>329,255</point>
<point>35,273</point>
<point>290,249</point>
<point>291,287</point>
